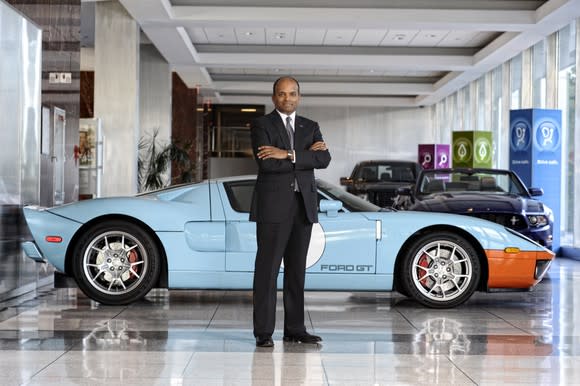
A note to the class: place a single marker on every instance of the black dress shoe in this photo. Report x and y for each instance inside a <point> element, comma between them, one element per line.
<point>302,338</point>
<point>264,341</point>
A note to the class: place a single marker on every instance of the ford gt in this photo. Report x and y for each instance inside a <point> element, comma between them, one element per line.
<point>198,236</point>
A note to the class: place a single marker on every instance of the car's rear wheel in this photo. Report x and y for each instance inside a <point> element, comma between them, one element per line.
<point>441,270</point>
<point>116,262</point>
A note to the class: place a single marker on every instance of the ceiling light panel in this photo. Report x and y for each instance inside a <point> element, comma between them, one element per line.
<point>283,36</point>
<point>457,39</point>
<point>339,37</point>
<point>428,38</point>
<point>398,37</point>
<point>310,36</point>
<point>220,35</point>
<point>369,37</point>
<point>251,35</point>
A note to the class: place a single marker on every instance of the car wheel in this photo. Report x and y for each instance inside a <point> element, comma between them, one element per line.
<point>441,270</point>
<point>116,263</point>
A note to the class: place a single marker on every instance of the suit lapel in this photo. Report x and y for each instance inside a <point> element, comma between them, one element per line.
<point>299,133</point>
<point>280,128</point>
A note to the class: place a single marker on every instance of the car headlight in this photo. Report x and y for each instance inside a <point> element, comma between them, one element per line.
<point>537,220</point>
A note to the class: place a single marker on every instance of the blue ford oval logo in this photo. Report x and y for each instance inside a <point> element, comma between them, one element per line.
<point>547,136</point>
<point>520,135</point>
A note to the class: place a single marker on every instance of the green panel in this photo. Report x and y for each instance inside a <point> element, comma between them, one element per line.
<point>472,149</point>
<point>462,149</point>
<point>482,150</point>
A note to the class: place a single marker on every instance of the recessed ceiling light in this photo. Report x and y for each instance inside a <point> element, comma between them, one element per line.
<point>280,35</point>
<point>399,37</point>
<point>248,33</point>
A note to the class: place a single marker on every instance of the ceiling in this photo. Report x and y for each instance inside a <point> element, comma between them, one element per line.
<point>344,52</point>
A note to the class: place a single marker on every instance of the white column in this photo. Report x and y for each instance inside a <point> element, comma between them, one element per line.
<point>577,142</point>
<point>527,83</point>
<point>552,71</point>
<point>117,95</point>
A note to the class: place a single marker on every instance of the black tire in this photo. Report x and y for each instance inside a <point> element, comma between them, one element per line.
<point>441,270</point>
<point>116,262</point>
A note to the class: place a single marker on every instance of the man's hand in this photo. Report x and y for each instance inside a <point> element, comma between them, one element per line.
<point>265,152</point>
<point>318,146</point>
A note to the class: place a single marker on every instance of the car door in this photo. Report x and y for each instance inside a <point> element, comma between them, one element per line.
<point>341,242</point>
<point>240,237</point>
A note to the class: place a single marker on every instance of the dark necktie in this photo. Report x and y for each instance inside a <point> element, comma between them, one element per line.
<point>290,132</point>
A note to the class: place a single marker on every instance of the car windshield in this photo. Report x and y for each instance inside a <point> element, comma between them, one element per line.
<point>471,181</point>
<point>386,172</point>
<point>349,201</point>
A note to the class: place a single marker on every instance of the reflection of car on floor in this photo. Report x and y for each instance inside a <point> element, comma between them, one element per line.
<point>378,181</point>
<point>198,236</point>
<point>492,194</point>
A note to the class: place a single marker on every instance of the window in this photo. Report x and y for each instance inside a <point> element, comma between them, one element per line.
<point>481,105</point>
<point>516,82</point>
<point>496,114</point>
<point>567,103</point>
<point>240,195</point>
<point>539,75</point>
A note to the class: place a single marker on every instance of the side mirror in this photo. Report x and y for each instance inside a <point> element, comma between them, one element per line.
<point>345,181</point>
<point>404,191</point>
<point>535,192</point>
<point>330,207</point>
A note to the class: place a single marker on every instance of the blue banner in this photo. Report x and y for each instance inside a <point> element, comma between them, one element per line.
<point>536,155</point>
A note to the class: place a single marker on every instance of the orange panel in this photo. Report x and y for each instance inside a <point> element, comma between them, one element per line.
<point>514,270</point>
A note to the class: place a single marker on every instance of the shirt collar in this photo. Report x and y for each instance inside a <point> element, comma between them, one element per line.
<point>283,116</point>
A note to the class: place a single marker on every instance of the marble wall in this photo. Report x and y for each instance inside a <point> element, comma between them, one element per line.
<point>59,21</point>
<point>185,126</point>
<point>60,24</point>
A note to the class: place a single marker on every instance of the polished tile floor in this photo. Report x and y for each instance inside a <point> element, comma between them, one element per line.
<point>59,337</point>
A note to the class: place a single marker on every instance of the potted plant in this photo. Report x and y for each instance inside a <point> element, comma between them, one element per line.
<point>155,161</point>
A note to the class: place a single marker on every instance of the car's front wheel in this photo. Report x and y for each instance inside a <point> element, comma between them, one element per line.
<point>441,270</point>
<point>116,262</point>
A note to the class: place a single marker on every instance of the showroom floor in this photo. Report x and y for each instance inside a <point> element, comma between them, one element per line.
<point>59,337</point>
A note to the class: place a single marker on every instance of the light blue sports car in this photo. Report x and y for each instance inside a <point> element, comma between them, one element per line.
<point>198,236</point>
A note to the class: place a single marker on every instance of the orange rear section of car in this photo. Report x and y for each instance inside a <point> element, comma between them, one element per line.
<point>514,270</point>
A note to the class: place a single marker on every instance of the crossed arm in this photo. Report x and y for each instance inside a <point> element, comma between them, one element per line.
<point>265,152</point>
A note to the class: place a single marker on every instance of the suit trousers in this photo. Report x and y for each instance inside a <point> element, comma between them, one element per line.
<point>288,240</point>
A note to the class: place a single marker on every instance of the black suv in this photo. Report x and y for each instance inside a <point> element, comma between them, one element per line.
<point>377,181</point>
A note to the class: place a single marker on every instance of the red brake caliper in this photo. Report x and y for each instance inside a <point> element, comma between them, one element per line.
<point>423,262</point>
<point>132,259</point>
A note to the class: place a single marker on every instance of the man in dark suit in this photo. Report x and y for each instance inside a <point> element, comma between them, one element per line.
<point>287,148</point>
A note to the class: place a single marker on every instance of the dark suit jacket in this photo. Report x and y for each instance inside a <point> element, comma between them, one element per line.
<point>275,184</point>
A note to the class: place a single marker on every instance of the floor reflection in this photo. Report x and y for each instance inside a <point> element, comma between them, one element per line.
<point>204,337</point>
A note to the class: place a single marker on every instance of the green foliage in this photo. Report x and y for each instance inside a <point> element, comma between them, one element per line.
<point>155,161</point>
